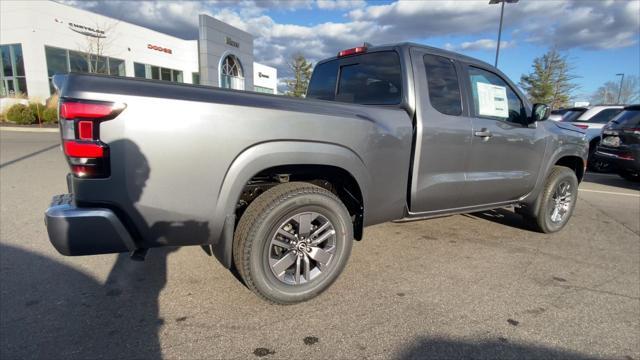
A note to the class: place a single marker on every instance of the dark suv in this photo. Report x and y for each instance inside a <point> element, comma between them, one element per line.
<point>620,143</point>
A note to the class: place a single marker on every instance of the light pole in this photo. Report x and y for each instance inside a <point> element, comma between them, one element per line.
<point>502,2</point>
<point>620,90</point>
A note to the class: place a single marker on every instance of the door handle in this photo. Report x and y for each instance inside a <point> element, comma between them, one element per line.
<point>484,133</point>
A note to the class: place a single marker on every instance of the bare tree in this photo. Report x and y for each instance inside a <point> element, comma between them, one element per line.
<point>97,41</point>
<point>608,92</point>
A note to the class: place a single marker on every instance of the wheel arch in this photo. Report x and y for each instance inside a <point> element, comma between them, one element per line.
<point>573,162</point>
<point>285,156</point>
<point>572,157</point>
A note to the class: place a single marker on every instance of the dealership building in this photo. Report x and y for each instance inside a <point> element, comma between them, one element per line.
<point>41,38</point>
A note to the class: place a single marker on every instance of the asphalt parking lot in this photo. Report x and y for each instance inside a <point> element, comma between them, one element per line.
<point>467,286</point>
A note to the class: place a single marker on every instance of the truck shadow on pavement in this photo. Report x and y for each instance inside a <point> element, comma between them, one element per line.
<point>610,179</point>
<point>441,348</point>
<point>53,311</point>
<point>501,216</point>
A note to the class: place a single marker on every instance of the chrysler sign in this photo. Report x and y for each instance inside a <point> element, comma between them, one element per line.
<point>87,31</point>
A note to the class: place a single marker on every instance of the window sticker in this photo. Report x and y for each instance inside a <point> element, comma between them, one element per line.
<point>492,100</point>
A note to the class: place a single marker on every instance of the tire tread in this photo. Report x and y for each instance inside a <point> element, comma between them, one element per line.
<point>253,215</point>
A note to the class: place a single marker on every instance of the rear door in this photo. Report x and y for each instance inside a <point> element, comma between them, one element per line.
<point>506,153</point>
<point>443,134</point>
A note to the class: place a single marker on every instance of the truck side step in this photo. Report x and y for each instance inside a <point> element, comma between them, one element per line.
<point>138,254</point>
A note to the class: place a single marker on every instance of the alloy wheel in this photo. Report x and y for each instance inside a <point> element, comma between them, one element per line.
<point>560,202</point>
<point>302,248</point>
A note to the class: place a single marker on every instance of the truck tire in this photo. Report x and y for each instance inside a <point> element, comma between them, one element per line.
<point>292,242</point>
<point>556,202</point>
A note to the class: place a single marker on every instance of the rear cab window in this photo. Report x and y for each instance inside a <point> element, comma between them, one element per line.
<point>442,81</point>
<point>368,79</point>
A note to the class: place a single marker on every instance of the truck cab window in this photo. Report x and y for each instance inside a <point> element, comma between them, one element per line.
<point>444,89</point>
<point>323,81</point>
<point>368,79</point>
<point>494,98</point>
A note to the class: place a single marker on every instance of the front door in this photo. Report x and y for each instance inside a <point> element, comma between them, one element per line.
<point>506,152</point>
<point>443,135</point>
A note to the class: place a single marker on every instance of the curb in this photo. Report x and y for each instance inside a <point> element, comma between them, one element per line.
<point>29,129</point>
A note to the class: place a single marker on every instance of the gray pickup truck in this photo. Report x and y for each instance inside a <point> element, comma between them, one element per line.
<point>279,187</point>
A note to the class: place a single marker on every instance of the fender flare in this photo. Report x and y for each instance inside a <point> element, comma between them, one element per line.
<point>262,156</point>
<point>531,200</point>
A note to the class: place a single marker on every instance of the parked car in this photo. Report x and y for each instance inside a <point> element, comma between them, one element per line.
<point>278,187</point>
<point>556,115</point>
<point>620,145</point>
<point>592,119</point>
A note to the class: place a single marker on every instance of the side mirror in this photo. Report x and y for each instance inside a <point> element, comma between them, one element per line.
<point>540,112</point>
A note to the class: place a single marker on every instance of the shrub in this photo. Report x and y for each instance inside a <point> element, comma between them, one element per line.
<point>52,102</point>
<point>37,110</point>
<point>21,114</point>
<point>50,116</point>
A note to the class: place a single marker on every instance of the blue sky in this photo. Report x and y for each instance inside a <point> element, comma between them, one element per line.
<point>600,37</point>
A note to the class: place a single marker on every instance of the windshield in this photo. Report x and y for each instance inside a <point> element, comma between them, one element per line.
<point>572,115</point>
<point>370,79</point>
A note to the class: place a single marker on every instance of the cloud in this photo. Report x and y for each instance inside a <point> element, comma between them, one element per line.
<point>340,4</point>
<point>591,25</point>
<point>587,24</point>
<point>566,24</point>
<point>481,44</point>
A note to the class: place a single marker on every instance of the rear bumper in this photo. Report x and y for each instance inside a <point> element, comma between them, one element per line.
<point>621,159</point>
<point>85,231</point>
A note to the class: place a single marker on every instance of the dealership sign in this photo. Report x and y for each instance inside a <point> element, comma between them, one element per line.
<point>230,42</point>
<point>87,31</point>
<point>159,48</point>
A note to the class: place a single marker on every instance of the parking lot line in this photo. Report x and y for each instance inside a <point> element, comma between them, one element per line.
<point>611,192</point>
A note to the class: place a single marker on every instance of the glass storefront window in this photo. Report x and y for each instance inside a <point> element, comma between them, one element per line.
<point>97,64</point>
<point>78,62</point>
<point>57,61</point>
<point>166,74</point>
<point>7,69</point>
<point>176,75</point>
<point>19,62</point>
<point>262,89</point>
<point>195,78</point>
<point>138,70</point>
<point>147,71</point>
<point>62,61</point>
<point>12,80</point>
<point>231,73</point>
<point>116,67</point>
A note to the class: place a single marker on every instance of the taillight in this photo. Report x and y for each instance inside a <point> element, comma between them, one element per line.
<point>635,131</point>
<point>75,110</point>
<point>353,51</point>
<point>85,130</point>
<point>80,126</point>
<point>81,149</point>
<point>581,126</point>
